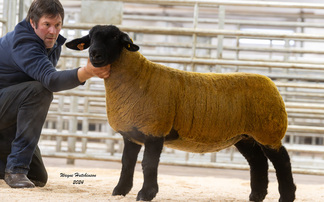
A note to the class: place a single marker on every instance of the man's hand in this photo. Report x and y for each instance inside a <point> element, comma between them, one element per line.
<point>88,71</point>
<point>101,72</point>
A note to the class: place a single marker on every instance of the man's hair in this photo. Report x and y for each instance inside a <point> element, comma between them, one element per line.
<point>40,8</point>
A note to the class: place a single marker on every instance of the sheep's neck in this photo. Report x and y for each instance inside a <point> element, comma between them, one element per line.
<point>133,68</point>
<point>132,81</point>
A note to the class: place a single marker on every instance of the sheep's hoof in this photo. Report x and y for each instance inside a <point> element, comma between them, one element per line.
<point>121,190</point>
<point>288,195</point>
<point>256,197</point>
<point>146,195</point>
<point>287,199</point>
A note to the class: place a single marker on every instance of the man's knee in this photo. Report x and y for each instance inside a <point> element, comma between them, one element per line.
<point>31,90</point>
<point>38,91</point>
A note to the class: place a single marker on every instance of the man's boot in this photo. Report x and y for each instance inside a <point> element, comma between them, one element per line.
<point>18,180</point>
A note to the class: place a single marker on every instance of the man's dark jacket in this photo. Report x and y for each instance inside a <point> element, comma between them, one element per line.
<point>23,57</point>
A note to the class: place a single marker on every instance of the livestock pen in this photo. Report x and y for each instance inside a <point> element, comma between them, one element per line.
<point>282,40</point>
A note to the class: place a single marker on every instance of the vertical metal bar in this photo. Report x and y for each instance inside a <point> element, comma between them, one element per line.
<point>59,125</point>
<point>286,55</point>
<point>194,36</point>
<point>213,157</point>
<point>232,152</point>
<point>21,10</point>
<point>286,71</point>
<point>270,55</point>
<point>187,156</point>
<point>291,138</point>
<point>120,146</point>
<point>209,51</point>
<point>72,128</point>
<point>11,20</point>
<point>220,38</point>
<point>302,29</point>
<point>5,16</point>
<point>287,45</point>
<point>85,125</point>
<point>110,143</point>
<point>237,52</point>
<point>85,121</point>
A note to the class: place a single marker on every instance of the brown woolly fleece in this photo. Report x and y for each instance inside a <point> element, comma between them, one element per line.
<point>210,111</point>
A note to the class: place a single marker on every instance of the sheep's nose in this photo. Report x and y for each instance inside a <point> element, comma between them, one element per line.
<point>96,55</point>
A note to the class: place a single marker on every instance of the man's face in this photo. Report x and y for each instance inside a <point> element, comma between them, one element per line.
<point>48,29</point>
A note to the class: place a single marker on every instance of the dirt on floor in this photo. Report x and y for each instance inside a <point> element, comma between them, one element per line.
<point>83,182</point>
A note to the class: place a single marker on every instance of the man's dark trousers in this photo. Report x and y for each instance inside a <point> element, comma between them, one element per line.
<point>23,110</point>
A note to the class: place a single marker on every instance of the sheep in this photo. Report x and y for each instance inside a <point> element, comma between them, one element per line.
<point>153,105</point>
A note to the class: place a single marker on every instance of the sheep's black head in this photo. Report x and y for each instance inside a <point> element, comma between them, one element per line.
<point>105,42</point>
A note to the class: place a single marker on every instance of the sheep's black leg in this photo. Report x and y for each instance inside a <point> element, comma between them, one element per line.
<point>150,163</point>
<point>129,159</point>
<point>281,162</point>
<point>258,168</point>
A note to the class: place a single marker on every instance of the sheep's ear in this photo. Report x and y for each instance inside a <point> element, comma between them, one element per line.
<point>128,43</point>
<point>79,43</point>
